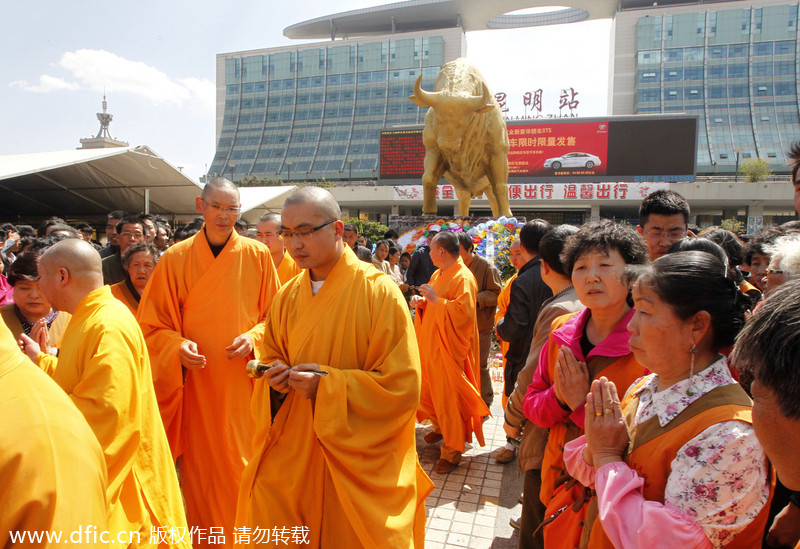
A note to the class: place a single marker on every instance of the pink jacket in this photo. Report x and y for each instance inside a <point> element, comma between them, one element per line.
<point>540,404</point>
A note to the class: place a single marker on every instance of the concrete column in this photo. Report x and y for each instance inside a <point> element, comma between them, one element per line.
<point>594,212</point>
<point>395,209</point>
<point>755,211</point>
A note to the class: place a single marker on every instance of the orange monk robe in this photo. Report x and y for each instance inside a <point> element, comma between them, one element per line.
<point>287,269</point>
<point>447,331</point>
<point>52,471</point>
<point>344,465</point>
<point>502,306</point>
<point>194,296</point>
<point>104,367</point>
<point>121,291</point>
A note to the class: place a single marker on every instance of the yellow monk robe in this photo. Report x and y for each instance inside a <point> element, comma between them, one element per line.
<point>104,367</point>
<point>193,295</point>
<point>287,269</point>
<point>52,471</point>
<point>344,466</point>
<point>502,306</point>
<point>447,331</point>
<point>121,291</point>
<point>57,328</point>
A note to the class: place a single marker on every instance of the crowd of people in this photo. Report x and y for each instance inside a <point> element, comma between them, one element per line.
<point>651,381</point>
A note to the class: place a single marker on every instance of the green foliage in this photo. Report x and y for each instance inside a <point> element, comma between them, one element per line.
<point>733,225</point>
<point>255,181</point>
<point>755,169</point>
<point>371,230</point>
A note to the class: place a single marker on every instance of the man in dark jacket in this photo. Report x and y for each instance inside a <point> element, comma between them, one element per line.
<point>528,292</point>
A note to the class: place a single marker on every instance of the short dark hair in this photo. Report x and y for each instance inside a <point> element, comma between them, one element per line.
<point>604,235</point>
<point>552,244</point>
<point>694,281</point>
<point>728,241</point>
<point>762,241</point>
<point>768,347</point>
<point>25,267</point>
<point>26,230</point>
<point>117,214</point>
<point>63,227</point>
<point>42,230</point>
<point>663,203</point>
<point>84,228</point>
<point>794,157</point>
<point>700,244</point>
<point>531,233</point>
<point>448,241</point>
<point>465,241</point>
<point>139,247</point>
<point>391,233</point>
<point>405,254</point>
<point>128,220</point>
<point>350,227</point>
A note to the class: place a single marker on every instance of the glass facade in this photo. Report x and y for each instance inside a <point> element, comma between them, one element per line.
<point>737,69</point>
<point>316,111</point>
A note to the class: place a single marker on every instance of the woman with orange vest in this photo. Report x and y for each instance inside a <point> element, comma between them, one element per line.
<point>582,347</point>
<point>677,459</point>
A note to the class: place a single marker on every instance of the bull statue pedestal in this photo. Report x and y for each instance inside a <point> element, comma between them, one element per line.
<point>465,139</point>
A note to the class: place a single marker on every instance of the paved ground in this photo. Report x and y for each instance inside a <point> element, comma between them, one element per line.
<point>471,506</point>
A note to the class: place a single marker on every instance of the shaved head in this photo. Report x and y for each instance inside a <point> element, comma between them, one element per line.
<point>270,218</point>
<point>324,202</point>
<point>77,255</point>
<point>220,183</point>
<point>68,271</point>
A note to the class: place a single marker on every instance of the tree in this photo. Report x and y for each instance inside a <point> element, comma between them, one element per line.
<point>255,181</point>
<point>733,225</point>
<point>371,230</point>
<point>755,169</point>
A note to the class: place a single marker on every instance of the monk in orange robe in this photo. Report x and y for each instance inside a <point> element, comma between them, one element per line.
<point>51,466</point>
<point>201,315</point>
<point>268,233</point>
<point>335,455</point>
<point>447,330</point>
<point>104,368</point>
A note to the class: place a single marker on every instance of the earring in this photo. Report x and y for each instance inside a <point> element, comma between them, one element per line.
<point>689,391</point>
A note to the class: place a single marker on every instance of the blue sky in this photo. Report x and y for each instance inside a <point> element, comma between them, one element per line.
<point>156,61</point>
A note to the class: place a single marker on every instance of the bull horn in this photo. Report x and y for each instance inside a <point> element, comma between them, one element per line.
<point>421,97</point>
<point>478,102</point>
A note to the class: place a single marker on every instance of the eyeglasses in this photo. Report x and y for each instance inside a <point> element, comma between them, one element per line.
<point>227,210</point>
<point>774,272</point>
<point>303,232</point>
<point>132,235</point>
<point>673,234</point>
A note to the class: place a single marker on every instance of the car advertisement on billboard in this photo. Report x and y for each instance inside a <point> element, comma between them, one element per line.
<point>566,149</point>
<point>636,149</point>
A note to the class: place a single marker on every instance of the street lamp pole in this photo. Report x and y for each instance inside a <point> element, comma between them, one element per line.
<point>289,169</point>
<point>350,168</point>
<point>737,165</point>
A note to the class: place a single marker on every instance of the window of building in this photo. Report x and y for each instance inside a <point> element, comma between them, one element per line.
<point>649,57</point>
<point>693,73</point>
<point>717,71</point>
<point>737,90</point>
<point>762,89</point>
<point>648,76</point>
<point>248,88</point>
<point>673,54</point>
<point>672,75</point>
<point>737,70</point>
<point>785,88</point>
<point>737,50</point>
<point>762,48</point>
<point>671,94</point>
<point>717,92</point>
<point>762,69</point>
<point>784,67</point>
<point>718,52</point>
<point>784,46</point>
<point>693,54</point>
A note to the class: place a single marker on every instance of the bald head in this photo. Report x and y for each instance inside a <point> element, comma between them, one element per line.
<point>220,183</point>
<point>69,270</point>
<point>270,218</point>
<point>324,203</point>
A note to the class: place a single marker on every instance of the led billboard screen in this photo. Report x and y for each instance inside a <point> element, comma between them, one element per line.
<point>625,149</point>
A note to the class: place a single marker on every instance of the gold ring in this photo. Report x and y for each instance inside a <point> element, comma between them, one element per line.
<point>598,414</point>
<point>607,411</point>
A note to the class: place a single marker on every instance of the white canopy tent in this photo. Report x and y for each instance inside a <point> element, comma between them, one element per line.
<point>89,183</point>
<point>257,201</point>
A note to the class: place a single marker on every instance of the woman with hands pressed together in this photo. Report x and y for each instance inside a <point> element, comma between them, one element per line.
<point>676,463</point>
<point>581,347</point>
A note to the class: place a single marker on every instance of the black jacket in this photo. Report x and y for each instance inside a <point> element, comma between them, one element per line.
<point>528,292</point>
